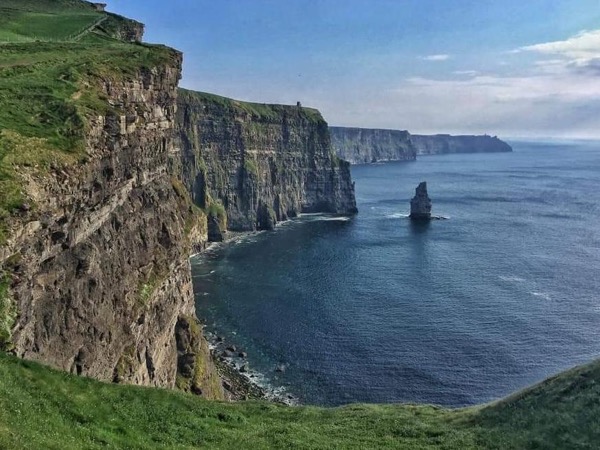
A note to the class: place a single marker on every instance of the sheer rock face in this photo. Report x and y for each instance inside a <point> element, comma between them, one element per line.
<point>128,30</point>
<point>445,143</point>
<point>420,205</point>
<point>363,145</point>
<point>263,163</point>
<point>102,275</point>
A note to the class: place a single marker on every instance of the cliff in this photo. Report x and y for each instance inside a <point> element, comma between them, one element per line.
<point>445,143</point>
<point>122,28</point>
<point>259,164</point>
<point>363,145</point>
<point>96,230</point>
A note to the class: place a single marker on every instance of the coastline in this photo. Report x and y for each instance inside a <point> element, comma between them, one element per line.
<point>240,382</point>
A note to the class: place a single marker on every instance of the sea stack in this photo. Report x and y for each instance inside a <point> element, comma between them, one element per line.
<point>420,205</point>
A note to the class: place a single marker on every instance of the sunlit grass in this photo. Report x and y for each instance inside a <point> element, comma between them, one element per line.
<point>43,408</point>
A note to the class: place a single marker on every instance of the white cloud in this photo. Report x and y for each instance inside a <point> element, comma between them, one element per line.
<point>468,73</point>
<point>559,94</point>
<point>537,102</point>
<point>440,57</point>
<point>580,52</point>
<point>584,45</point>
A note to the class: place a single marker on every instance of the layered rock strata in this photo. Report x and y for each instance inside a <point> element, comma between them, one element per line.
<point>445,143</point>
<point>363,145</point>
<point>122,28</point>
<point>99,269</point>
<point>420,205</point>
<point>259,164</point>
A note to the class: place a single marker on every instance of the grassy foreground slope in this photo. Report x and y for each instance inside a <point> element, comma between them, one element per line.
<point>43,408</point>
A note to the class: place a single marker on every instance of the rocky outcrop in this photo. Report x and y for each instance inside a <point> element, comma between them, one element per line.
<point>99,270</point>
<point>259,164</point>
<point>122,28</point>
<point>445,143</point>
<point>420,205</point>
<point>363,145</point>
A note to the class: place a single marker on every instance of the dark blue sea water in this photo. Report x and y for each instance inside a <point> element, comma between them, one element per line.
<point>457,312</point>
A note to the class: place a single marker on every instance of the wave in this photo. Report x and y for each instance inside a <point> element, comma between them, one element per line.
<point>271,392</point>
<point>511,279</point>
<point>320,217</point>
<point>541,295</point>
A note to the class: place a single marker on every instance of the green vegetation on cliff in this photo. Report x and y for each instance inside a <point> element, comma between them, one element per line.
<point>259,112</point>
<point>32,20</point>
<point>55,21</point>
<point>51,83</point>
<point>7,313</point>
<point>43,408</point>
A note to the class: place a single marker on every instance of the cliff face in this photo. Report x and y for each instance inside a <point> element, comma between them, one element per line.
<point>362,145</point>
<point>445,143</point>
<point>122,28</point>
<point>96,260</point>
<point>260,163</point>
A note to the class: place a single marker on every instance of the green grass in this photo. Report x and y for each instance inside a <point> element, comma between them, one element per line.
<point>258,111</point>
<point>48,90</point>
<point>32,26</point>
<point>216,209</point>
<point>44,20</point>
<point>7,313</point>
<point>45,409</point>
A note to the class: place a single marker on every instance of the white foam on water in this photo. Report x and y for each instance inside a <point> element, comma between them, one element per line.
<point>336,219</point>
<point>511,279</point>
<point>397,216</point>
<point>322,217</point>
<point>541,295</point>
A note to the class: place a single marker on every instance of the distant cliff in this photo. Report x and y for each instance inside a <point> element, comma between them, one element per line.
<point>363,145</point>
<point>259,164</point>
<point>366,145</point>
<point>445,143</point>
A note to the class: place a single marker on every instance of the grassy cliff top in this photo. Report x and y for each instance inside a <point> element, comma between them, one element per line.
<point>54,20</point>
<point>54,54</point>
<point>43,408</point>
<point>258,111</point>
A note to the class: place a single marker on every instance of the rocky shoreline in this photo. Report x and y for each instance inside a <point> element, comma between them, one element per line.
<point>240,382</point>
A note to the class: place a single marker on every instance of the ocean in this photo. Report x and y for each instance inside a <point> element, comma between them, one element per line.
<point>455,312</point>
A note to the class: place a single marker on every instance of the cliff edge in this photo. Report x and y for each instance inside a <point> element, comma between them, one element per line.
<point>364,145</point>
<point>367,145</point>
<point>96,230</point>
<point>444,143</point>
<point>259,164</point>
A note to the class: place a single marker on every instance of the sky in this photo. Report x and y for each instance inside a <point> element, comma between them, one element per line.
<point>512,68</point>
